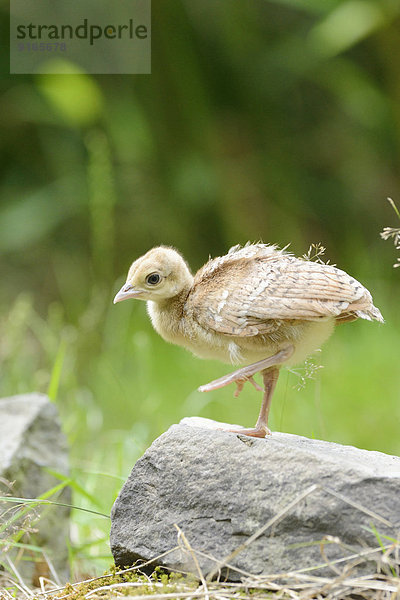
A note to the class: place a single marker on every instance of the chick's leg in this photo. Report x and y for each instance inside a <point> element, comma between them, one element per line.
<point>270,372</point>
<point>270,377</point>
<point>246,373</point>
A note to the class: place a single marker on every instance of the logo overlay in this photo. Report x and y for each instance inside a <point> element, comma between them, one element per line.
<point>96,36</point>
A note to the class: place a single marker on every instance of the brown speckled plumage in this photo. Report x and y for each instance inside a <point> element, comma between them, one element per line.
<point>253,289</point>
<point>256,304</point>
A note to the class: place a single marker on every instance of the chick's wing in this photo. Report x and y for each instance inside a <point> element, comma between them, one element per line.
<point>247,297</point>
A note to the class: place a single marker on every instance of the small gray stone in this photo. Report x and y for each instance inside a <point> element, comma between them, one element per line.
<point>220,488</point>
<point>31,441</point>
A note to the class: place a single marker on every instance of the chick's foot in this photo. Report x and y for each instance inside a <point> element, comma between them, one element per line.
<point>258,432</point>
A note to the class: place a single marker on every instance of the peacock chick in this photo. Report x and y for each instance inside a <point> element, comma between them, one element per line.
<point>257,306</point>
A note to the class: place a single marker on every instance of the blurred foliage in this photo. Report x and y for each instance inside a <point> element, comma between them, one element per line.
<point>261,120</point>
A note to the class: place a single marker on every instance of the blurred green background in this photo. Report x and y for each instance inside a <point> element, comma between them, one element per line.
<point>264,120</point>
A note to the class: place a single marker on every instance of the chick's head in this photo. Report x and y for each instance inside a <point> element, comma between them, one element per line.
<point>159,275</point>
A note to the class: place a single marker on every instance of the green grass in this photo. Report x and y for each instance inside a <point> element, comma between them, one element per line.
<point>118,386</point>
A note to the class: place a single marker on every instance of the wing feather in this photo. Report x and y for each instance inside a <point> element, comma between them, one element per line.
<point>248,291</point>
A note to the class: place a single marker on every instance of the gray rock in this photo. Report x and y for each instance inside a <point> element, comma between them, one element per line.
<point>31,441</point>
<point>221,488</point>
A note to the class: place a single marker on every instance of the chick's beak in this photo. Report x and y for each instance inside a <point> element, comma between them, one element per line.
<point>127,291</point>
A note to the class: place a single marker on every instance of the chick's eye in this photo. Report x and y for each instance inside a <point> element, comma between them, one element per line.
<point>153,279</point>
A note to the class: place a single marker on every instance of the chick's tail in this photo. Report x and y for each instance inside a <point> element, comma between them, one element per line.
<point>363,308</point>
